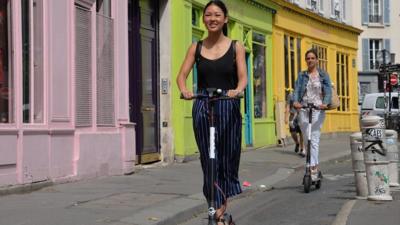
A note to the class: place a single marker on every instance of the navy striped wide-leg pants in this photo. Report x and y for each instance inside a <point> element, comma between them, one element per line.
<point>228,135</point>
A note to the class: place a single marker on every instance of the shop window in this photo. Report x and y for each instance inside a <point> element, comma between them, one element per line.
<point>6,76</point>
<point>32,59</point>
<point>259,75</point>
<point>292,54</point>
<point>322,56</point>
<point>342,81</point>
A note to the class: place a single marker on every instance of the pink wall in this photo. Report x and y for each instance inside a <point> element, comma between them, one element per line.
<point>57,150</point>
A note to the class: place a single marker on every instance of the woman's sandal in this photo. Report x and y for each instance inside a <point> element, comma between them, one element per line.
<point>226,219</point>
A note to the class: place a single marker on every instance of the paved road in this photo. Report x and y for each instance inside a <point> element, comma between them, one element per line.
<point>287,204</point>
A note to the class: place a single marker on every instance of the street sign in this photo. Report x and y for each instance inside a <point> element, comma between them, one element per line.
<point>390,68</point>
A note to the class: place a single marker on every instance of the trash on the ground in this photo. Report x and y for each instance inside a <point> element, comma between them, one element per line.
<point>262,186</point>
<point>153,219</point>
<point>246,184</point>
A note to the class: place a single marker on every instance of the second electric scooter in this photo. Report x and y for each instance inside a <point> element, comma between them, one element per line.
<point>308,180</point>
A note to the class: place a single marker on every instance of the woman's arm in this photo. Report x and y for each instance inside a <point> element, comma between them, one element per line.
<point>327,85</point>
<point>185,70</point>
<point>296,92</point>
<point>241,70</point>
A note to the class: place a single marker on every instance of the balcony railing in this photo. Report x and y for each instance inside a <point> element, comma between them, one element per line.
<point>375,18</point>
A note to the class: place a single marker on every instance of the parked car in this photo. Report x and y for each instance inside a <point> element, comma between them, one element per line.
<point>374,104</point>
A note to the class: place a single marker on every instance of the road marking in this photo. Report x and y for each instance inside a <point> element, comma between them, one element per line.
<point>343,215</point>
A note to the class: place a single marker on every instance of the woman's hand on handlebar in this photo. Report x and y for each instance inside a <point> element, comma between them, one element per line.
<point>297,105</point>
<point>187,94</point>
<point>323,107</point>
<point>233,93</point>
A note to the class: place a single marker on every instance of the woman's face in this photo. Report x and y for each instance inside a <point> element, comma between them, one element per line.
<point>214,18</point>
<point>311,60</point>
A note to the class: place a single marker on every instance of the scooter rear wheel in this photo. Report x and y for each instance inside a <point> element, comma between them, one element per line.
<point>307,183</point>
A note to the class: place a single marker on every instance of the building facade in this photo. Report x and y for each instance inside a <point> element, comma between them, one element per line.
<point>377,19</point>
<point>64,90</point>
<point>298,29</point>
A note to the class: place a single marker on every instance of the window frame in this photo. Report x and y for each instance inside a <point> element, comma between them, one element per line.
<point>264,94</point>
<point>34,89</point>
<point>342,81</point>
<point>373,64</point>
<point>8,117</point>
<point>371,10</point>
<point>290,71</point>
<point>322,55</point>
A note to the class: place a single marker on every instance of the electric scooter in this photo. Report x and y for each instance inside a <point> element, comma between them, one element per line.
<point>308,180</point>
<point>213,96</point>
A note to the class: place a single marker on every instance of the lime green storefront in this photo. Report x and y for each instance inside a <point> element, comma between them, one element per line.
<point>249,22</point>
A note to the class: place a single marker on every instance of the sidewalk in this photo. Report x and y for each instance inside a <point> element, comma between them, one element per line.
<point>364,212</point>
<point>152,196</point>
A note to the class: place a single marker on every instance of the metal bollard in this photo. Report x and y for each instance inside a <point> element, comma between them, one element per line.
<point>376,164</point>
<point>357,157</point>
<point>392,157</point>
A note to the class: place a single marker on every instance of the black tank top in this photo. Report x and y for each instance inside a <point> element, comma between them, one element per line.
<point>218,73</point>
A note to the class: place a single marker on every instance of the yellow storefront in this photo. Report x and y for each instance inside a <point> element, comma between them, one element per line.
<point>296,30</point>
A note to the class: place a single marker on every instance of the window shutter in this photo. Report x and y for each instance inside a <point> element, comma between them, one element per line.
<point>105,71</point>
<point>365,12</point>
<point>386,13</point>
<point>83,81</point>
<point>365,54</point>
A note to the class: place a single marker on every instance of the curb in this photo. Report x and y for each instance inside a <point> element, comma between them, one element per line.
<point>25,188</point>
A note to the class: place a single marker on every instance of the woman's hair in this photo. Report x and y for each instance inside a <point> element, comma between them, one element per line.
<point>222,6</point>
<point>313,51</point>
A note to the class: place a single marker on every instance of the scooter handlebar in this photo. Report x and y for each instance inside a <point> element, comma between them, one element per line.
<point>217,96</point>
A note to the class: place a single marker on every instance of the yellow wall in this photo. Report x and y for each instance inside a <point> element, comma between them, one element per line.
<point>313,29</point>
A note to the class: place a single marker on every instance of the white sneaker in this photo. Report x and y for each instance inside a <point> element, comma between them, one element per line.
<point>314,175</point>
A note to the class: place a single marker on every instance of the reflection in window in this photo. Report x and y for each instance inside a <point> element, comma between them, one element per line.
<point>259,75</point>
<point>6,114</point>
<point>103,7</point>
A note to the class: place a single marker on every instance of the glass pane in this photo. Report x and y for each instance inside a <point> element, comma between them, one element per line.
<point>259,82</point>
<point>26,107</point>
<point>38,62</point>
<point>260,38</point>
<point>103,7</point>
<point>380,103</point>
<point>6,115</point>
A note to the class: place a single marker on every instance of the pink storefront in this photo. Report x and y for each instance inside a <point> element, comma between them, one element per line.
<point>64,90</point>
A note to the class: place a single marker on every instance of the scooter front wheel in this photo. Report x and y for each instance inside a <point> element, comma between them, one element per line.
<point>307,183</point>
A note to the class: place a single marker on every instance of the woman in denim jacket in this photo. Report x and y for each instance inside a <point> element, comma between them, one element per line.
<point>312,86</point>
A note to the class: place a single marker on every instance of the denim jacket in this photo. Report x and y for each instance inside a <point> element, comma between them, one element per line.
<point>301,85</point>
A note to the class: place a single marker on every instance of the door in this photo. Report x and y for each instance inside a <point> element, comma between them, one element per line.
<point>248,129</point>
<point>143,77</point>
